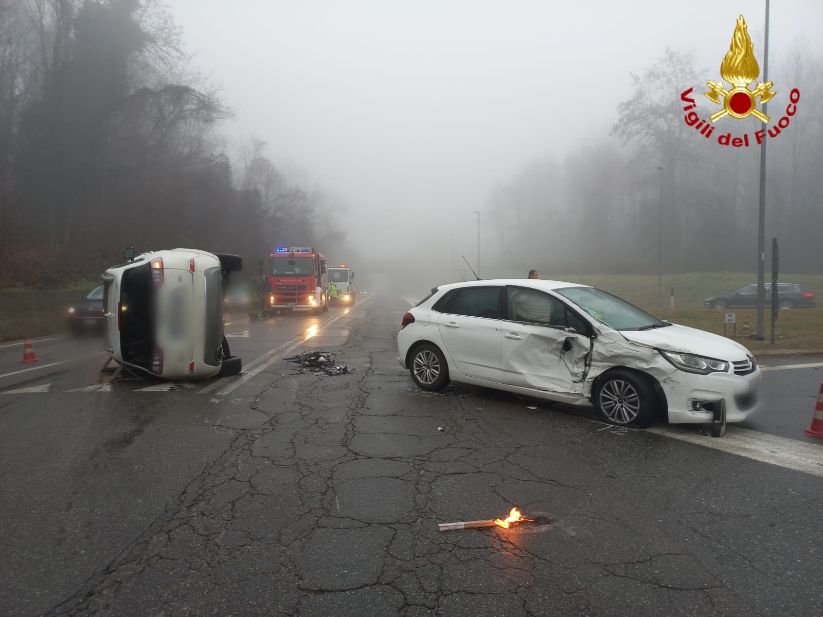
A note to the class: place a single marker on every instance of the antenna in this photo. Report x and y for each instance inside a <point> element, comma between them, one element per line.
<point>477,278</point>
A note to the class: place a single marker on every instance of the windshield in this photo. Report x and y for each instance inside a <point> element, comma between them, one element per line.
<point>339,276</point>
<point>96,293</point>
<point>609,309</point>
<point>294,266</point>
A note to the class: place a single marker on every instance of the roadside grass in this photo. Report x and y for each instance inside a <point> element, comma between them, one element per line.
<point>795,330</point>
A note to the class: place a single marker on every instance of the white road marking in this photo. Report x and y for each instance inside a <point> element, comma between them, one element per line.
<point>791,367</point>
<point>105,387</point>
<point>789,453</point>
<point>34,340</point>
<point>41,388</point>
<point>166,387</point>
<point>269,358</point>
<point>244,334</point>
<point>49,365</point>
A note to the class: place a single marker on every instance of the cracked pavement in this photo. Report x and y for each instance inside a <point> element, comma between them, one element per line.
<point>308,495</point>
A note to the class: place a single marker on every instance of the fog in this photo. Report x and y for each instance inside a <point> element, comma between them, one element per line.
<point>413,113</point>
<point>397,121</point>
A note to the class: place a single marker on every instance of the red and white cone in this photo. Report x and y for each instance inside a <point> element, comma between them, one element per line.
<point>816,427</point>
<point>29,357</point>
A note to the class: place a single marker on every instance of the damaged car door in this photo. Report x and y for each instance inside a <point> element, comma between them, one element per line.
<point>545,344</point>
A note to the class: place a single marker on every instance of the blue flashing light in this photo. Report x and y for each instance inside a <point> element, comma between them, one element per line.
<point>281,249</point>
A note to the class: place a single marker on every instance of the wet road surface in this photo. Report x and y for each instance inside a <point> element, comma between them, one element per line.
<point>279,493</point>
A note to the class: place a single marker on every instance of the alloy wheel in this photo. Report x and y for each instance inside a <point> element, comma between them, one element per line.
<point>619,401</point>
<point>426,367</point>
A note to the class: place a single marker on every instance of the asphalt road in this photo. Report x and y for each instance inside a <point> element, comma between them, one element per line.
<point>279,493</point>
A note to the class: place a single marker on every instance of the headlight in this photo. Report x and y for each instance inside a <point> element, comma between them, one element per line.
<point>346,298</point>
<point>312,301</point>
<point>71,310</point>
<point>271,299</point>
<point>695,364</point>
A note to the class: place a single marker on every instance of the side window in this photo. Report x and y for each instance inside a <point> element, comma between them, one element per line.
<point>749,289</point>
<point>442,305</point>
<point>476,302</point>
<point>532,306</point>
<point>96,293</point>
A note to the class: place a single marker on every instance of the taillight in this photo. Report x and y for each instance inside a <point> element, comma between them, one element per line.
<point>407,319</point>
<point>157,361</point>
<point>808,294</point>
<point>191,265</point>
<point>191,368</point>
<point>157,271</point>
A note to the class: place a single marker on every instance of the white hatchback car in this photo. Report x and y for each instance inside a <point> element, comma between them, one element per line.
<point>576,344</point>
<point>164,313</point>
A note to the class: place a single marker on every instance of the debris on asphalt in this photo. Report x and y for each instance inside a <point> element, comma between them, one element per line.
<point>319,363</point>
<point>514,517</point>
<point>439,428</point>
<point>531,407</point>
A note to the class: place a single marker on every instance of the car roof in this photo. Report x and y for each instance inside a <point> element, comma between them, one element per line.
<point>540,284</point>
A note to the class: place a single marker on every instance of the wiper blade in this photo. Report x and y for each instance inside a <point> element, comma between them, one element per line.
<point>652,326</point>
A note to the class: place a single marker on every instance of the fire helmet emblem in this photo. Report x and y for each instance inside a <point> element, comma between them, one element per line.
<point>740,68</point>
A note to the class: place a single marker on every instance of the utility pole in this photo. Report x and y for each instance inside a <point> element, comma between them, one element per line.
<point>761,214</point>
<point>660,243</point>
<point>477,212</point>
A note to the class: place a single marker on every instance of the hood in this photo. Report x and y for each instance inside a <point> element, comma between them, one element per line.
<point>689,340</point>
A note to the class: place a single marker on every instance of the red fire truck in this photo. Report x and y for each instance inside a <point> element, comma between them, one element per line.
<point>297,279</point>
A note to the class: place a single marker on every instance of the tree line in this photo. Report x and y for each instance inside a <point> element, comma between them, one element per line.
<point>108,140</point>
<point>601,206</point>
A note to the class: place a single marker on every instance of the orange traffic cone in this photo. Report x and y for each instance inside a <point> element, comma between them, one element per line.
<point>816,427</point>
<point>29,357</point>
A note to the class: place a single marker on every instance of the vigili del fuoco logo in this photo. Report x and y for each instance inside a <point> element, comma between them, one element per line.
<point>739,69</point>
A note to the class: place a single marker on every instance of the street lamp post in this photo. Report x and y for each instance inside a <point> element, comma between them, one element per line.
<point>660,242</point>
<point>761,211</point>
<point>477,212</point>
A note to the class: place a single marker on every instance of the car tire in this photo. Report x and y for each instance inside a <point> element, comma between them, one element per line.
<point>625,398</point>
<point>720,304</point>
<point>428,368</point>
<point>786,305</point>
<point>231,366</point>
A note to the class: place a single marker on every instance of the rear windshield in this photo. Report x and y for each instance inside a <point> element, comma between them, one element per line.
<point>291,266</point>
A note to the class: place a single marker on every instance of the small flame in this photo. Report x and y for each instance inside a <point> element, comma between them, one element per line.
<point>514,517</point>
<point>740,67</point>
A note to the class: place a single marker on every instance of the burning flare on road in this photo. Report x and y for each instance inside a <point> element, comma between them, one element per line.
<point>514,517</point>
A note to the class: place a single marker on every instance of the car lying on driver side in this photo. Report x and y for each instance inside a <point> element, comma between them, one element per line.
<point>164,313</point>
<point>576,344</point>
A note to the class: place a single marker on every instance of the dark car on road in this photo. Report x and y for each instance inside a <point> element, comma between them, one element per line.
<point>790,295</point>
<point>87,315</point>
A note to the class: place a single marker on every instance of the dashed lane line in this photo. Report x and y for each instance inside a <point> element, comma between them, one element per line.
<point>40,367</point>
<point>20,343</point>
<point>791,367</point>
<point>781,451</point>
<point>31,389</point>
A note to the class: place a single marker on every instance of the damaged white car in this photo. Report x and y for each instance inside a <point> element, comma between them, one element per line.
<point>576,344</point>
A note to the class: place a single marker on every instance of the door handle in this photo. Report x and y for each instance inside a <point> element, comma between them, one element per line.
<point>514,336</point>
<point>451,324</point>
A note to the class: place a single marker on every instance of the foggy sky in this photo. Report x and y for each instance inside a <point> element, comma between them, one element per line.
<point>412,112</point>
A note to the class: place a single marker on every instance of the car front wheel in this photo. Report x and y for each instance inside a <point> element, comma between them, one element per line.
<point>625,399</point>
<point>428,367</point>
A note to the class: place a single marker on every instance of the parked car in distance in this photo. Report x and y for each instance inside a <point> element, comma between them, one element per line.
<point>579,345</point>
<point>790,295</point>
<point>164,314</point>
<point>86,316</point>
<point>237,299</point>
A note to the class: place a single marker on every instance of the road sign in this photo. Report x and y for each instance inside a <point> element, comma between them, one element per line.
<point>730,318</point>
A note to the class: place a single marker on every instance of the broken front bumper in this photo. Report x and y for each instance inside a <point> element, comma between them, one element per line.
<point>695,398</point>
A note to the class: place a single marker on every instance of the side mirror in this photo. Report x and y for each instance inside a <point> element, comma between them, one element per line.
<point>128,254</point>
<point>323,269</point>
<point>351,276</point>
<point>261,268</point>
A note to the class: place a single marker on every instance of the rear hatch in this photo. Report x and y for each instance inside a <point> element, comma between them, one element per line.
<point>136,315</point>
